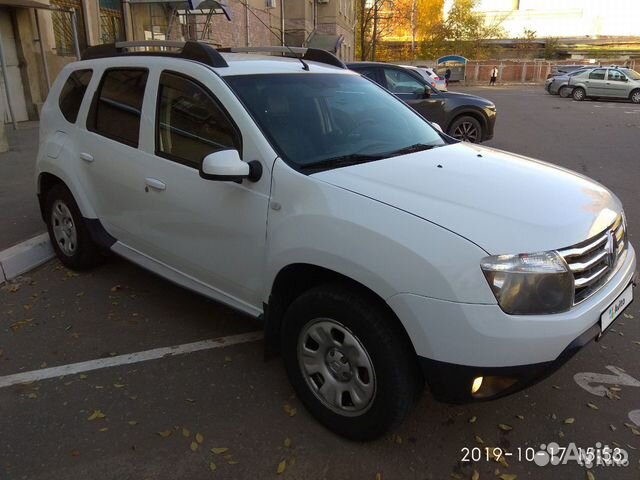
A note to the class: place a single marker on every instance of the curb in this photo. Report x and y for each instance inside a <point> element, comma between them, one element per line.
<point>25,256</point>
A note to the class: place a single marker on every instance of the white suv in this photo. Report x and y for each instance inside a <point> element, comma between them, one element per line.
<point>379,252</point>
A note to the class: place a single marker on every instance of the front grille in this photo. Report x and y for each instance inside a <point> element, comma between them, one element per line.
<point>594,261</point>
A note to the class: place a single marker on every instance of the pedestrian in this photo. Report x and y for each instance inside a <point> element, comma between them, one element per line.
<point>447,76</point>
<point>494,76</point>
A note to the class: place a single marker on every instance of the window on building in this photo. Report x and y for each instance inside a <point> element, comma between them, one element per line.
<point>62,22</point>
<point>73,92</point>
<point>111,21</point>
<point>597,74</point>
<point>190,124</point>
<point>117,105</point>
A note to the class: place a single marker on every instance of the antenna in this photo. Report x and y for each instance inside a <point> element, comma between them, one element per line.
<point>305,66</point>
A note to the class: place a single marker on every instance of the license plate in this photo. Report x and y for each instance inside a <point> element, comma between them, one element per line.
<point>616,308</point>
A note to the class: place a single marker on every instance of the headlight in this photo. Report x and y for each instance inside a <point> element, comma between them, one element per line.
<point>529,284</point>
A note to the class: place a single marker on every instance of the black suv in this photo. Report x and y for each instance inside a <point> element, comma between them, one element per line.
<point>465,117</point>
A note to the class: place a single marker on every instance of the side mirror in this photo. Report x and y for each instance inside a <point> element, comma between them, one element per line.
<point>437,127</point>
<point>226,166</point>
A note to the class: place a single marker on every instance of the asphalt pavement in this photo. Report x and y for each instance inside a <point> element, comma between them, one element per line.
<point>224,412</point>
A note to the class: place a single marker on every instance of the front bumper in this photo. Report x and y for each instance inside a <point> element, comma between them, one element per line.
<point>457,342</point>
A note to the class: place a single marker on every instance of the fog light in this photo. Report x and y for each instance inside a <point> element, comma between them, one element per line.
<point>477,383</point>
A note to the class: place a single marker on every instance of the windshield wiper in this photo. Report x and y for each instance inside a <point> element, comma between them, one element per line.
<point>343,161</point>
<point>417,147</point>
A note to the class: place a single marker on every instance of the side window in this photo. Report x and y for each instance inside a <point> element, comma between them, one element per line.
<point>616,76</point>
<point>597,74</point>
<point>190,124</point>
<point>400,82</point>
<point>370,73</point>
<point>73,92</point>
<point>117,105</point>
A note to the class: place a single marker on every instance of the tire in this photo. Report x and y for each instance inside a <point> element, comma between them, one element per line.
<point>635,96</point>
<point>578,94</point>
<point>564,92</point>
<point>378,374</point>
<point>69,235</point>
<point>467,129</point>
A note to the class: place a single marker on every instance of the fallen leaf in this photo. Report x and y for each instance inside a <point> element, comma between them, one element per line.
<point>115,288</point>
<point>227,359</point>
<point>185,432</point>
<point>118,385</point>
<point>561,434</point>
<point>504,427</point>
<point>219,450</point>
<point>635,431</point>
<point>282,466</point>
<point>83,376</point>
<point>590,476</point>
<point>96,414</point>
<point>520,417</point>
<point>212,467</point>
<point>233,462</point>
<point>397,439</point>
<point>378,476</point>
<point>473,419</point>
<point>475,475</point>
<point>14,288</point>
<point>615,389</point>
<point>508,476</point>
<point>132,422</point>
<point>194,446</point>
<point>165,433</point>
<point>569,420</point>
<point>457,476</point>
<point>479,440</point>
<point>557,387</point>
<point>104,429</point>
<point>75,453</point>
<point>199,438</point>
<point>592,406</point>
<point>32,395</point>
<point>287,443</point>
<point>292,412</point>
<point>612,427</point>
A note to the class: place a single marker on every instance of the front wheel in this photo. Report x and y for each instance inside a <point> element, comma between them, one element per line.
<point>579,94</point>
<point>349,362</point>
<point>467,129</point>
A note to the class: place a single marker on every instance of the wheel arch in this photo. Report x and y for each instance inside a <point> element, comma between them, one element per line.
<point>293,280</point>
<point>47,179</point>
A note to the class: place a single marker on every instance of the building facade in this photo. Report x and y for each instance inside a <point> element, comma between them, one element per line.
<point>41,36</point>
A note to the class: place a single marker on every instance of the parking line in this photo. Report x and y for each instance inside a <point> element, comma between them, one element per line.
<point>128,358</point>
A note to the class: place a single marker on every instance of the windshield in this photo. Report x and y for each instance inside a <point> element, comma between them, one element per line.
<point>632,74</point>
<point>331,120</point>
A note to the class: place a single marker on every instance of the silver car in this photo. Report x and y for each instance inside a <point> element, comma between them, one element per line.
<point>611,82</point>
<point>430,76</point>
<point>558,85</point>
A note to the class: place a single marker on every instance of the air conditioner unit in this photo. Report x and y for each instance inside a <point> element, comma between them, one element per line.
<point>271,3</point>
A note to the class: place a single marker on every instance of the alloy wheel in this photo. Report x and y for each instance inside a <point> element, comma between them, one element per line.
<point>64,228</point>
<point>467,132</point>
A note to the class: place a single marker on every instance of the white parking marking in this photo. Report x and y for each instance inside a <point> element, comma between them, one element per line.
<point>618,378</point>
<point>128,358</point>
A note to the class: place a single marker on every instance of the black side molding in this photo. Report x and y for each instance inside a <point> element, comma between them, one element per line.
<point>99,234</point>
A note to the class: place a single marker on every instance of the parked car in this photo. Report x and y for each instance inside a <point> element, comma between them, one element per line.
<point>610,82</point>
<point>554,85</point>
<point>430,75</point>
<point>564,69</point>
<point>378,252</point>
<point>464,117</point>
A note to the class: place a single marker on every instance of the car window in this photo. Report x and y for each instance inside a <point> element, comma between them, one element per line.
<point>323,118</point>
<point>190,124</point>
<point>597,74</point>
<point>400,82</point>
<point>73,92</point>
<point>632,74</point>
<point>370,73</point>
<point>117,105</point>
<point>616,76</point>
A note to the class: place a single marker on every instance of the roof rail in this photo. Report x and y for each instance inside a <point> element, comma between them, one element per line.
<point>311,54</point>
<point>197,51</point>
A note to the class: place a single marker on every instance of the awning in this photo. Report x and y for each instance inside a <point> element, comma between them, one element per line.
<point>219,7</point>
<point>325,41</point>
<point>27,4</point>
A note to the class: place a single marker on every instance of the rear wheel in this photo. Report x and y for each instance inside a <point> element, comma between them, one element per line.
<point>635,96</point>
<point>564,92</point>
<point>467,129</point>
<point>350,364</point>
<point>579,94</point>
<point>69,235</point>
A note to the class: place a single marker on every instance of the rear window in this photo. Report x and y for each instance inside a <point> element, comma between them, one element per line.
<point>73,93</point>
<point>117,105</point>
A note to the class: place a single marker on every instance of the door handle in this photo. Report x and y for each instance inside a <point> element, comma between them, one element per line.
<point>155,184</point>
<point>86,157</point>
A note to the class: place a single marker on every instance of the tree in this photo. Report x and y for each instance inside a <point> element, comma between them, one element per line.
<point>525,44</point>
<point>373,22</point>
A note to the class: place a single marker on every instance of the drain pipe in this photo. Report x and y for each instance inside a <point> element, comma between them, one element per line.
<point>5,75</point>
<point>282,21</point>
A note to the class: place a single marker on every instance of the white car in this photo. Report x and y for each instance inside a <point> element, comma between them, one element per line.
<point>379,252</point>
<point>430,75</point>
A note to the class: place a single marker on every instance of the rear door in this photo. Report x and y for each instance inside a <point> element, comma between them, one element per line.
<point>411,90</point>
<point>596,84</point>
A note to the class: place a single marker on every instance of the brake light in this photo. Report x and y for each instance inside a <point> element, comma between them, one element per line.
<point>436,78</point>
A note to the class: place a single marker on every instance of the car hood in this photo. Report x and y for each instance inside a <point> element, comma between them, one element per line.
<point>467,98</point>
<point>502,202</point>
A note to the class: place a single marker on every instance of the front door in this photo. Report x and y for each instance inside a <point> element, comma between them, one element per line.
<point>412,91</point>
<point>210,231</point>
<point>617,84</point>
